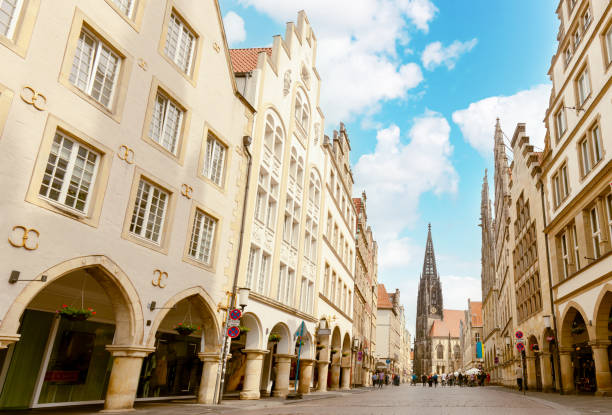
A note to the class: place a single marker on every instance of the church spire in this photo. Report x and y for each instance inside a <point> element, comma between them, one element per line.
<point>429,262</point>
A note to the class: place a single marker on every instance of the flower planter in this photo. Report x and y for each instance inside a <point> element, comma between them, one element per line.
<point>185,329</point>
<point>75,314</point>
<point>274,338</point>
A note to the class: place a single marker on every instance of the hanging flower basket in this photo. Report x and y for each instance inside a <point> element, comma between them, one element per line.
<point>274,338</point>
<point>185,329</point>
<point>320,347</point>
<point>578,330</point>
<point>75,314</point>
<point>244,329</point>
<point>344,354</point>
<point>333,351</point>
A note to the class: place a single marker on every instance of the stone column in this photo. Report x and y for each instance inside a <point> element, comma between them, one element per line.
<point>602,367</point>
<point>281,383</point>
<point>365,377</point>
<point>546,367</point>
<point>124,376</point>
<point>346,377</point>
<point>206,391</point>
<point>252,373</point>
<point>531,373</point>
<point>322,366</point>
<point>335,376</point>
<point>567,371</point>
<point>305,375</point>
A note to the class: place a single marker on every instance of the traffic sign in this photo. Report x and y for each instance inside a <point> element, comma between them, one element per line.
<point>519,334</point>
<point>233,332</point>
<point>233,323</point>
<point>235,314</point>
<point>520,347</point>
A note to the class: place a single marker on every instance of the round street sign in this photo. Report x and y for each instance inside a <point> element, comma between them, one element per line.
<point>233,332</point>
<point>520,347</point>
<point>519,334</point>
<point>235,314</point>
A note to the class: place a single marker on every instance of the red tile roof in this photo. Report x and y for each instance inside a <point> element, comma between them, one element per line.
<point>476,310</point>
<point>449,324</point>
<point>383,297</point>
<point>245,60</point>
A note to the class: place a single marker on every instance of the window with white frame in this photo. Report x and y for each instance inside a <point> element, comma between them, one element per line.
<point>293,164</point>
<point>299,178</point>
<point>326,280</point>
<point>266,200</point>
<point>585,156</point>
<point>310,239</point>
<point>273,136</point>
<point>609,210</point>
<point>310,298</point>
<point>328,231</point>
<point>584,86</point>
<point>586,19</point>
<point>149,211</point>
<point>202,237</point>
<point>291,229</point>
<point>609,44</point>
<point>180,43</point>
<point>564,256</point>
<point>314,190</point>
<point>560,122</point>
<point>126,7</point>
<point>576,249</point>
<point>95,68</point>
<point>334,282</point>
<point>595,232</point>
<point>567,54</point>
<point>576,38</point>
<point>597,146</point>
<point>286,285</point>
<point>258,270</point>
<point>215,160</point>
<point>166,122</point>
<point>70,173</point>
<point>9,15</point>
<point>302,111</point>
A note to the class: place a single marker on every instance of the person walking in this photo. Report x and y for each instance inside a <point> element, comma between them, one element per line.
<point>381,378</point>
<point>435,380</point>
<point>424,380</point>
<point>519,377</point>
<point>374,379</point>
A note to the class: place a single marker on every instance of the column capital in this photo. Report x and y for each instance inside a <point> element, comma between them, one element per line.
<point>255,352</point>
<point>323,362</point>
<point>283,358</point>
<point>565,350</point>
<point>209,357</point>
<point>7,339</point>
<point>307,362</point>
<point>121,350</point>
<point>599,344</point>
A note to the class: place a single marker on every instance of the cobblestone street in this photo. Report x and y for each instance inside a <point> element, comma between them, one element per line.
<point>389,401</point>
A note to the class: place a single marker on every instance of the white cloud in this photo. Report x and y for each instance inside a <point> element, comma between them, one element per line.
<point>396,174</point>
<point>457,289</point>
<point>234,28</point>
<point>357,53</point>
<point>477,121</point>
<point>435,54</point>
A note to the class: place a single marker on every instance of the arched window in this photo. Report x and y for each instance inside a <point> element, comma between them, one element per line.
<point>456,352</point>
<point>302,111</point>
<point>314,190</point>
<point>293,164</point>
<point>273,136</point>
<point>440,352</point>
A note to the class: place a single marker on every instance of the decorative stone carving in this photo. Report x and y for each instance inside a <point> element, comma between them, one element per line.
<point>317,132</point>
<point>287,82</point>
<point>160,277</point>
<point>30,96</point>
<point>26,234</point>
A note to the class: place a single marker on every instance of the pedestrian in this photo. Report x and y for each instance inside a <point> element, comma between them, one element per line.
<point>414,379</point>
<point>374,379</point>
<point>519,377</point>
<point>424,380</point>
<point>430,380</point>
<point>435,380</point>
<point>488,378</point>
<point>386,379</point>
<point>381,378</point>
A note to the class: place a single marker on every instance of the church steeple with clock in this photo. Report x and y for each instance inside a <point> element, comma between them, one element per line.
<point>429,308</point>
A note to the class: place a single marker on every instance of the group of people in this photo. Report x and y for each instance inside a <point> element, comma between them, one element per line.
<point>380,378</point>
<point>460,379</point>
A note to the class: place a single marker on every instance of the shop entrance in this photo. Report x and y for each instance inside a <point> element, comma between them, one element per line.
<point>61,356</point>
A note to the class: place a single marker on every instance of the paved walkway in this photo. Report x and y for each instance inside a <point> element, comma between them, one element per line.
<point>391,400</point>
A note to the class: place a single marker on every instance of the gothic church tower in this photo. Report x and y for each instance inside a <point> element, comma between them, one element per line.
<point>429,308</point>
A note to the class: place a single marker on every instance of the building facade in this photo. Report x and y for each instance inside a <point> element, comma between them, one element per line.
<point>122,155</point>
<point>576,173</point>
<point>365,295</point>
<point>472,336</point>
<point>388,331</point>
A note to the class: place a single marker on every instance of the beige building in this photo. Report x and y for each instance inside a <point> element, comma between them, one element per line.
<point>365,296</point>
<point>388,331</point>
<point>299,239</point>
<point>471,335</point>
<point>122,156</point>
<point>577,172</point>
<point>405,355</point>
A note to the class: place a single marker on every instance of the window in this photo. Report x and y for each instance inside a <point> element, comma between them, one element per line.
<point>596,139</point>
<point>477,337</point>
<point>180,44</point>
<point>595,232</point>
<point>310,239</point>
<point>202,236</point>
<point>586,19</point>
<point>215,160</point>
<point>304,294</point>
<point>166,122</point>
<point>440,352</point>
<point>302,112</point>
<point>609,209</point>
<point>252,267</point>
<point>273,136</point>
<point>568,55</point>
<point>267,200</point>
<point>328,231</point>
<point>560,122</point>
<point>286,285</point>
<point>584,87</point>
<point>149,212</point>
<point>95,68</point>
<point>125,6</point>
<point>576,250</point>
<point>70,173</point>
<point>326,280</point>
<point>576,38</point>
<point>609,44</point>
<point>564,256</point>
<point>332,293</point>
<point>314,190</point>
<point>9,15</point>
<point>258,269</point>
<point>585,156</point>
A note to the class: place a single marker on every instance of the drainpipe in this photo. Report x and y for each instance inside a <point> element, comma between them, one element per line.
<point>246,141</point>
<point>552,305</point>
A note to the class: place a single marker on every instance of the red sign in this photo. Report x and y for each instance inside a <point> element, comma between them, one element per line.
<point>520,347</point>
<point>235,314</point>
<point>62,376</point>
<point>519,334</point>
<point>233,332</point>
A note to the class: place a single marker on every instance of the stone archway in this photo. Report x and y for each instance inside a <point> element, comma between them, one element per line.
<point>124,298</point>
<point>577,365</point>
<point>335,358</point>
<point>602,346</point>
<point>345,363</point>
<point>534,364</point>
<point>280,345</point>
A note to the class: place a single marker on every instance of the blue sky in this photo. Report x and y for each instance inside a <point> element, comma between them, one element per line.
<point>420,114</point>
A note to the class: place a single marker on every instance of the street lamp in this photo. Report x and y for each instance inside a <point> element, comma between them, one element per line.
<point>243,297</point>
